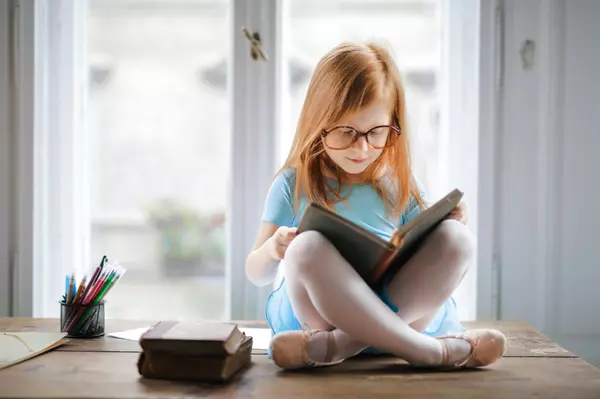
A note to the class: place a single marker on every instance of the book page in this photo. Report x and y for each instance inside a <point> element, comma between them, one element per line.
<point>132,335</point>
<point>200,330</point>
<point>16,347</point>
<point>261,336</point>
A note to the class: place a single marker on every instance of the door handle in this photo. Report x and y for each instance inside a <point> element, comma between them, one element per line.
<point>256,50</point>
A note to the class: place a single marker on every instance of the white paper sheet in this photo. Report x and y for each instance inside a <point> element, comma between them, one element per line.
<point>261,336</point>
<point>132,335</point>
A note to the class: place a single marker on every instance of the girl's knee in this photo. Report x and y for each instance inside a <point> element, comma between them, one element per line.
<point>457,242</point>
<point>305,251</point>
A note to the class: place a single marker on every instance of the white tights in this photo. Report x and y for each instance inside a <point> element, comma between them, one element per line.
<point>327,294</point>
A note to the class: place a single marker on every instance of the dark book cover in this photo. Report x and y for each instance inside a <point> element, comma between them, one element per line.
<point>372,257</point>
<point>171,366</point>
<point>205,338</point>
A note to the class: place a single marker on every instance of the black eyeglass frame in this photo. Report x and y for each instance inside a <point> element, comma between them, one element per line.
<point>359,134</point>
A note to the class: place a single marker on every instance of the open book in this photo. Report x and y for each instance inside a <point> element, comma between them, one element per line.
<point>18,346</point>
<point>372,257</point>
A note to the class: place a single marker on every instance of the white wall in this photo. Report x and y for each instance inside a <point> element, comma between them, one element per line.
<point>549,164</point>
<point>4,162</point>
<point>577,320</point>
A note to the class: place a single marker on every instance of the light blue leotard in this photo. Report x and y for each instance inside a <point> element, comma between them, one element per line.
<point>364,207</point>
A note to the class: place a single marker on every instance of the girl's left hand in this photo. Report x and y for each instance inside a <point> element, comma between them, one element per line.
<point>459,213</point>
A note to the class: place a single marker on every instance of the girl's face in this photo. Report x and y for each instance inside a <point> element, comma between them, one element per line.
<point>357,158</point>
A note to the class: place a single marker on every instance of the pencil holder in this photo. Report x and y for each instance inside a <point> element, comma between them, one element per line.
<point>82,321</point>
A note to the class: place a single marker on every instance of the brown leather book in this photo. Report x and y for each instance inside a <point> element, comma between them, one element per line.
<point>169,366</point>
<point>372,257</point>
<point>202,338</point>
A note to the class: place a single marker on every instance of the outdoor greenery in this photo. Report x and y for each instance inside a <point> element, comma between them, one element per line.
<point>191,241</point>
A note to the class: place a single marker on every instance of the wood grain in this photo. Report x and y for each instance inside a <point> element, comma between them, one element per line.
<point>95,375</point>
<point>524,340</point>
<point>106,367</point>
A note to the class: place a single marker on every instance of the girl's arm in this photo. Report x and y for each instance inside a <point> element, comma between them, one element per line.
<point>272,238</point>
<point>269,248</point>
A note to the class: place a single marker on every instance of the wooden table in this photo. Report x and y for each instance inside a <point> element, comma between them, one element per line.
<point>105,367</point>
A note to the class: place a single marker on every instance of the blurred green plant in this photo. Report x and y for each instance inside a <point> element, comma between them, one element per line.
<point>188,237</point>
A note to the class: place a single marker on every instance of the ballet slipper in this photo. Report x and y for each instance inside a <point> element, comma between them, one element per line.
<point>487,346</point>
<point>289,349</point>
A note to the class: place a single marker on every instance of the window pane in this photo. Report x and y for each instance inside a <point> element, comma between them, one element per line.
<point>159,130</point>
<point>410,28</point>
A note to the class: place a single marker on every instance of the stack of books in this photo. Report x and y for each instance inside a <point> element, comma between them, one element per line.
<point>206,351</point>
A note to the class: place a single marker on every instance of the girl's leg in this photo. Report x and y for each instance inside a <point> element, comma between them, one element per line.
<point>304,310</point>
<point>430,277</point>
<point>344,300</point>
<point>309,317</point>
<point>321,282</point>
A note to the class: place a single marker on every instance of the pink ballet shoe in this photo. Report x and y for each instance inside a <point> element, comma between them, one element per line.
<point>487,346</point>
<point>289,349</point>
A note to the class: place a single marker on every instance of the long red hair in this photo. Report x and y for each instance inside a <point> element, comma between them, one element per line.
<point>347,79</point>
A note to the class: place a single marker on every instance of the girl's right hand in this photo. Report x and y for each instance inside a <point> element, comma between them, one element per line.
<point>279,242</point>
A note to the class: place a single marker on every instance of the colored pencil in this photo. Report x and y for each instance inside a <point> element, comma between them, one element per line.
<point>90,292</point>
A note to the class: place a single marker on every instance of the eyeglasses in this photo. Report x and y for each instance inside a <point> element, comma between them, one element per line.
<point>343,137</point>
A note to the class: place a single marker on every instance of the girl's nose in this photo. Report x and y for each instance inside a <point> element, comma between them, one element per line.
<point>362,144</point>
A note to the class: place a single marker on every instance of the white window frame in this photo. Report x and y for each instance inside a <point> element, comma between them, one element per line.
<point>23,240</point>
<point>490,76</point>
<point>52,38</point>
<point>459,164</point>
<point>5,159</point>
<point>254,154</point>
<point>50,237</point>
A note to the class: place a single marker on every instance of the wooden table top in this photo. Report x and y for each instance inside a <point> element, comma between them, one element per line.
<point>534,366</point>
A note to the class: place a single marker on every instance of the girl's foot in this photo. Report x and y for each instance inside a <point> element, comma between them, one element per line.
<point>486,346</point>
<point>315,348</point>
<point>304,348</point>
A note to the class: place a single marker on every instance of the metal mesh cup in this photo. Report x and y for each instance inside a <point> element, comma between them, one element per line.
<point>82,320</point>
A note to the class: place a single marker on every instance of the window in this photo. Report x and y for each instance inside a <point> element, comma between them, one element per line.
<point>159,125</point>
<point>166,133</point>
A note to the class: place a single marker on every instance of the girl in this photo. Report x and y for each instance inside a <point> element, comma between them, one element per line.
<point>351,154</point>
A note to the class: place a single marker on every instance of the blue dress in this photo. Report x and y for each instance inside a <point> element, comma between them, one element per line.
<point>363,206</point>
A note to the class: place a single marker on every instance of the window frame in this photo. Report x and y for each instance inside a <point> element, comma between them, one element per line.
<point>253,159</point>
<point>22,256</point>
<point>5,158</point>
<point>459,130</point>
<point>50,207</point>
<point>489,97</point>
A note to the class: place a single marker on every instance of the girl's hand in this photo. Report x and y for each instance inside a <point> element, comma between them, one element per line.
<point>459,213</point>
<point>279,242</point>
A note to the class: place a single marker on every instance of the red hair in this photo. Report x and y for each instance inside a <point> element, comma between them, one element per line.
<point>347,79</point>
